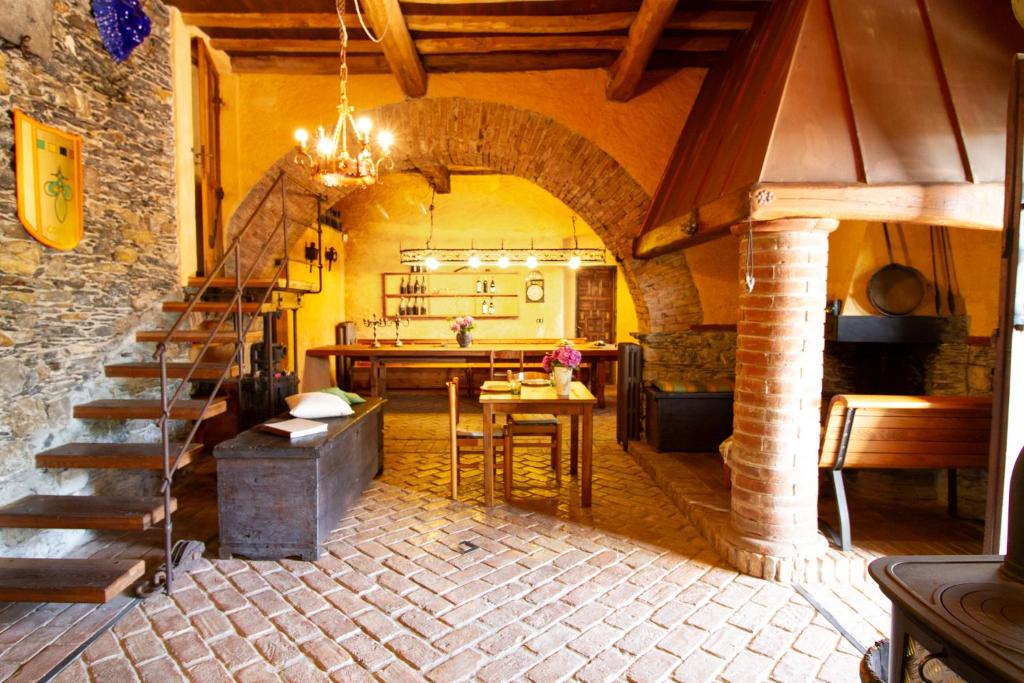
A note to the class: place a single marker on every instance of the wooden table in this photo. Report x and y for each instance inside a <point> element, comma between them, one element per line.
<point>317,373</point>
<point>579,403</point>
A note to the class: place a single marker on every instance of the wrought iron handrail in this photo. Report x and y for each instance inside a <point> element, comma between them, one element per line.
<point>167,403</point>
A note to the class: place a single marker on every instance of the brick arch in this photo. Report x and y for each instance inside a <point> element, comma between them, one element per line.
<point>465,132</point>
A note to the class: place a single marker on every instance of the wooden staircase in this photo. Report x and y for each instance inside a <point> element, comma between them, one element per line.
<point>226,301</point>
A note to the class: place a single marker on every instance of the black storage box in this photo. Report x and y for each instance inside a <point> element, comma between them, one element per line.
<point>689,422</point>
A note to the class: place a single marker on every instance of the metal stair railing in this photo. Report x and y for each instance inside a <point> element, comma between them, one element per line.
<point>167,403</point>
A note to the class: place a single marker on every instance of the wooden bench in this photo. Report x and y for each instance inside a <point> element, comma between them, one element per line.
<point>903,432</point>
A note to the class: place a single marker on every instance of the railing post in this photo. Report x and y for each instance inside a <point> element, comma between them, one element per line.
<point>166,440</point>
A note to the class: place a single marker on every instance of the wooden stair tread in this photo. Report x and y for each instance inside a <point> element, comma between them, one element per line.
<point>122,513</point>
<point>141,409</point>
<point>255,283</point>
<point>204,371</point>
<point>124,456</point>
<point>195,336</point>
<point>216,307</point>
<point>66,580</point>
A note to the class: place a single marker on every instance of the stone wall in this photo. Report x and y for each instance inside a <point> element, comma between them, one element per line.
<point>64,314</point>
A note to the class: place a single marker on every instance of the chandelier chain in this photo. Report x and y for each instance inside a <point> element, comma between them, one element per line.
<point>433,193</point>
<point>369,34</point>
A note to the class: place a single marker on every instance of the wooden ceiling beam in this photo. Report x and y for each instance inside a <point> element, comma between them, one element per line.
<point>625,74</point>
<point>307,64</point>
<point>694,20</point>
<point>438,177</point>
<point>286,45</point>
<point>474,45</point>
<point>406,65</point>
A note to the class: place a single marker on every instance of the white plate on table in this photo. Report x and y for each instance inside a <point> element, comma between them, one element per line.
<point>536,382</point>
<point>495,386</point>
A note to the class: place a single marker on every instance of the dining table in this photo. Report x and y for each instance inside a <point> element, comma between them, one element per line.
<point>578,405</point>
<point>317,371</point>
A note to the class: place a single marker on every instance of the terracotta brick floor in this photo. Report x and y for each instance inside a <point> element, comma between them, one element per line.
<point>626,590</point>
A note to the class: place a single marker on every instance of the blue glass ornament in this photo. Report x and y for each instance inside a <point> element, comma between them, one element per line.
<point>122,24</point>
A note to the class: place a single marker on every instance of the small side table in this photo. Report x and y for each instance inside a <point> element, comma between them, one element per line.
<point>958,607</point>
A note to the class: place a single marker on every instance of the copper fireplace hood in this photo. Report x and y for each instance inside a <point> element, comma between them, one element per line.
<point>851,109</point>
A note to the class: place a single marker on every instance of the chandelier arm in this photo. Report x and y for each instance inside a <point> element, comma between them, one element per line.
<point>359,13</point>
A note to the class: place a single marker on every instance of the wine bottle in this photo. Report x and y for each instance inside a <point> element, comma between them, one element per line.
<point>494,286</point>
<point>423,306</point>
<point>415,308</point>
<point>479,286</point>
<point>401,306</point>
<point>490,308</point>
<point>401,287</point>
<point>419,286</point>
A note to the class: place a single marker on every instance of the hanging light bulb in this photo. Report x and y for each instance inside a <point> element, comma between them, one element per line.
<point>474,260</point>
<point>503,260</point>
<point>431,262</point>
<point>574,261</point>
<point>531,262</point>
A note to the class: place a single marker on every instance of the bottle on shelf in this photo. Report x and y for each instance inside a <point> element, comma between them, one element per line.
<point>401,286</point>
<point>493,287</point>
<point>401,307</point>
<point>423,306</point>
<point>479,286</point>
<point>415,308</point>
<point>490,308</point>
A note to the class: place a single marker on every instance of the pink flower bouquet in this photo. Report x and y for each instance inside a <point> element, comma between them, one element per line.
<point>562,357</point>
<point>463,324</point>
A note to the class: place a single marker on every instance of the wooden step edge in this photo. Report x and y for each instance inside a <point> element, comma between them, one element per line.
<point>147,409</point>
<point>120,456</point>
<point>109,513</point>
<point>66,580</point>
<point>195,336</point>
<point>216,307</point>
<point>204,371</point>
<point>256,283</point>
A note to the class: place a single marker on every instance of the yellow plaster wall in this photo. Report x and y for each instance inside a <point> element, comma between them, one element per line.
<point>481,209</point>
<point>262,111</point>
<point>856,251</point>
<point>181,68</point>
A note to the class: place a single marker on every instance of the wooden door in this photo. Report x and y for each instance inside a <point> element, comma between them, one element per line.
<point>206,147</point>
<point>595,303</point>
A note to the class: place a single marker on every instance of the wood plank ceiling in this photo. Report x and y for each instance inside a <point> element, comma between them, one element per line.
<point>627,37</point>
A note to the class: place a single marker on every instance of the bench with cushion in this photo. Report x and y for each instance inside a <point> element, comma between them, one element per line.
<point>903,432</point>
<point>688,416</point>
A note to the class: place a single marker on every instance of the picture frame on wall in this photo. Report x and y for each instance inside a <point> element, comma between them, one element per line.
<point>48,165</point>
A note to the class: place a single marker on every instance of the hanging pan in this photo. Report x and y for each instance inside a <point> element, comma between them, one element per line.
<point>895,289</point>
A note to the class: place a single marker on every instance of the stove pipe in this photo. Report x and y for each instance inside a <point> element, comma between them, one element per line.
<point>1013,565</point>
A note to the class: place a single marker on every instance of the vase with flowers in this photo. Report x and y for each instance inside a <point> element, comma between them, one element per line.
<point>462,326</point>
<point>561,363</point>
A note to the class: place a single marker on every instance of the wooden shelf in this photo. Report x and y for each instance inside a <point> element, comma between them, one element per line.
<point>451,296</point>
<point>477,317</point>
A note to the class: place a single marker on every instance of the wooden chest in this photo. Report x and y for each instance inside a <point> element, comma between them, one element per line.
<point>694,422</point>
<point>279,498</point>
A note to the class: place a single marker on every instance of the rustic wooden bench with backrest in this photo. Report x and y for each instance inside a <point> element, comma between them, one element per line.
<point>903,432</point>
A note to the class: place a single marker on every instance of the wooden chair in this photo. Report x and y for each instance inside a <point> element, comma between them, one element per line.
<point>471,441</point>
<point>533,425</point>
<point>515,357</point>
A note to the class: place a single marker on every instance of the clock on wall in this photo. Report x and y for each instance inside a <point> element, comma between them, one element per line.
<point>534,287</point>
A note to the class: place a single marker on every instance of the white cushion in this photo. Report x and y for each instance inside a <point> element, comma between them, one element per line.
<point>317,404</point>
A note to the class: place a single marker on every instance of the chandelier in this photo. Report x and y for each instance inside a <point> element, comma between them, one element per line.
<point>432,259</point>
<point>329,161</point>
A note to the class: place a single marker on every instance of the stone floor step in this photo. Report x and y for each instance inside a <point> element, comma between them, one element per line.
<point>120,513</point>
<point>204,371</point>
<point>142,409</point>
<point>119,456</point>
<point>65,580</point>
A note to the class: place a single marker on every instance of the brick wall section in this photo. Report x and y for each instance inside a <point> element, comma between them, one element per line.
<point>458,131</point>
<point>64,314</point>
<point>779,348</point>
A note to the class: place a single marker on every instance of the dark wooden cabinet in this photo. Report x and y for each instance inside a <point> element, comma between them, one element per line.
<point>280,498</point>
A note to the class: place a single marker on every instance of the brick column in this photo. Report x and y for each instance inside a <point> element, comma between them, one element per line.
<point>779,346</point>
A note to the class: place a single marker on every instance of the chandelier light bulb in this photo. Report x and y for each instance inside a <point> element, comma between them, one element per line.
<point>385,140</point>
<point>503,261</point>
<point>474,261</point>
<point>301,137</point>
<point>431,263</point>
<point>531,262</point>
<point>574,261</point>
<point>364,125</point>
<point>325,146</point>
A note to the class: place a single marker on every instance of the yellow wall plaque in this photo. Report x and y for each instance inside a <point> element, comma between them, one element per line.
<point>49,170</point>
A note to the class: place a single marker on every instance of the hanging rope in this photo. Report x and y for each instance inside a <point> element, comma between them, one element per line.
<point>433,193</point>
<point>362,23</point>
<point>749,275</point>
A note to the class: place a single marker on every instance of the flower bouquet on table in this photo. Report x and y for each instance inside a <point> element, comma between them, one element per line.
<point>560,363</point>
<point>462,326</point>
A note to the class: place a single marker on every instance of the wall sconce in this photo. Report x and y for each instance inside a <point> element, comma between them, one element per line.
<point>331,255</point>
<point>312,252</point>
